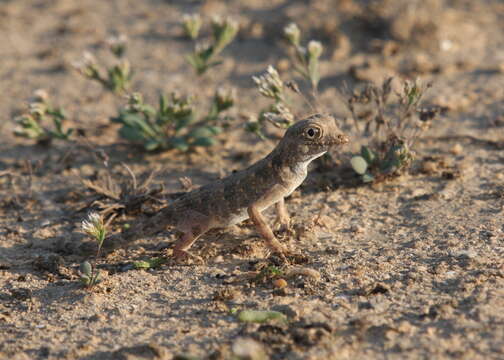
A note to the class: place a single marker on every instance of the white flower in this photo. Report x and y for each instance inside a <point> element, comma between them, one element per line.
<point>93,226</point>
<point>270,85</point>
<point>292,33</point>
<point>315,48</point>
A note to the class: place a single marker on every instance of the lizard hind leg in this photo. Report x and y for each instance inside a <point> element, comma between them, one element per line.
<point>180,250</point>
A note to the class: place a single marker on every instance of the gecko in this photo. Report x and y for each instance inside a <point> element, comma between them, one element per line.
<point>247,193</point>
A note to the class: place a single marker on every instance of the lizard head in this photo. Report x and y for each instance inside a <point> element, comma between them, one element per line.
<point>313,136</point>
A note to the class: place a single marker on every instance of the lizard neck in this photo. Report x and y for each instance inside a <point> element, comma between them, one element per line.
<point>289,164</point>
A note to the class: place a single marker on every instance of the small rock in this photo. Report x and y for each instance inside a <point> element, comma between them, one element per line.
<point>144,351</point>
<point>457,149</point>
<point>357,229</point>
<point>247,348</point>
<point>21,294</point>
<point>429,167</point>
<point>279,283</point>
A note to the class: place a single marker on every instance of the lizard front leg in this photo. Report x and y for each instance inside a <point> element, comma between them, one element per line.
<point>265,231</point>
<point>283,217</point>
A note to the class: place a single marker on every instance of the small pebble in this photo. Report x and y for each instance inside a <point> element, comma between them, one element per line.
<point>457,149</point>
<point>279,283</point>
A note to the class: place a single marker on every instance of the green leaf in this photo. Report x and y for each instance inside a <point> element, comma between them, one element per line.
<point>205,131</point>
<point>86,280</point>
<point>163,104</point>
<point>179,143</point>
<point>368,154</point>
<point>204,141</point>
<point>131,134</point>
<point>86,268</point>
<point>359,165</point>
<point>367,178</point>
<point>183,121</point>
<point>257,316</point>
<point>152,145</point>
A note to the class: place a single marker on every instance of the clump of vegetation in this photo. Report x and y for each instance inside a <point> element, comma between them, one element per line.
<point>278,113</point>
<point>306,62</point>
<point>116,78</point>
<point>43,121</point>
<point>305,58</point>
<point>392,123</point>
<point>204,56</point>
<point>173,125</point>
<point>96,229</point>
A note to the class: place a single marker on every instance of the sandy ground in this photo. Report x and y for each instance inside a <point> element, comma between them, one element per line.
<point>409,269</point>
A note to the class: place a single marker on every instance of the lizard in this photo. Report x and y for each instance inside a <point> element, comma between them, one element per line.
<point>247,193</point>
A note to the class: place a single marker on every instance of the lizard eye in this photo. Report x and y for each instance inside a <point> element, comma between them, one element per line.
<point>312,133</point>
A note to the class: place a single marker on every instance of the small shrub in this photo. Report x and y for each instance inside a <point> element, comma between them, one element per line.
<point>204,56</point>
<point>174,123</point>
<point>392,124</point>
<point>117,77</point>
<point>36,122</point>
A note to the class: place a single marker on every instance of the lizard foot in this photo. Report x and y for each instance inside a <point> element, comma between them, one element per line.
<point>284,232</point>
<point>182,256</point>
<point>279,258</point>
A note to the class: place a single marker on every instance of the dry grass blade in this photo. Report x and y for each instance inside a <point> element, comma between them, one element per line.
<point>127,196</point>
<point>105,187</point>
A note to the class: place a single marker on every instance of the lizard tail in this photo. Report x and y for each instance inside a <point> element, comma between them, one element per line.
<point>141,228</point>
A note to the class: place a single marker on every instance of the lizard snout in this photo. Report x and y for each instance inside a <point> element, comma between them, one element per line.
<point>341,139</point>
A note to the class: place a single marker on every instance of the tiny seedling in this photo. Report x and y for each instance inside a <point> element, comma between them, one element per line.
<point>305,58</point>
<point>95,227</point>
<point>117,77</point>
<point>205,53</point>
<point>173,125</point>
<point>89,276</point>
<point>392,127</point>
<point>35,123</point>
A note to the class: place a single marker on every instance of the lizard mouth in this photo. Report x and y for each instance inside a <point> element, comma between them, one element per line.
<point>333,141</point>
<point>340,140</point>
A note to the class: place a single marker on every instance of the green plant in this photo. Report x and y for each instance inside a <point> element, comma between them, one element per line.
<point>223,33</point>
<point>392,124</point>
<point>117,77</point>
<point>192,25</point>
<point>173,124</point>
<point>96,229</point>
<point>268,273</point>
<point>34,124</point>
<point>305,58</point>
<point>278,113</point>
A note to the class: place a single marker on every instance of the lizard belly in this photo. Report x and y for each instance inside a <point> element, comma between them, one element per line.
<point>264,202</point>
